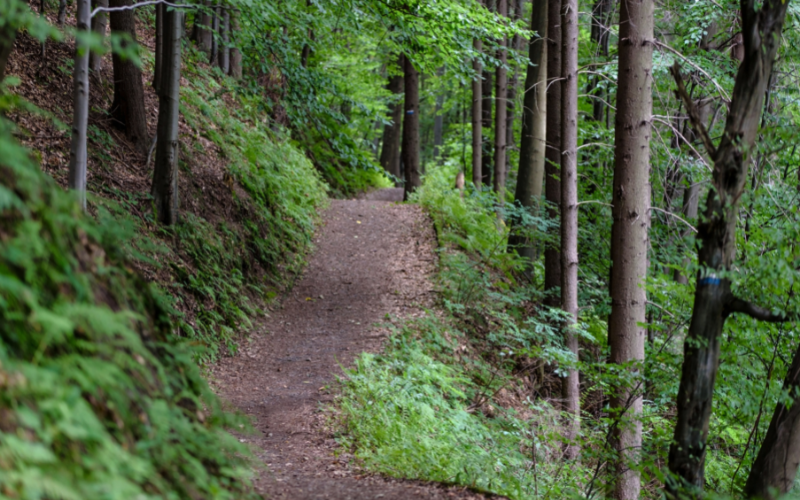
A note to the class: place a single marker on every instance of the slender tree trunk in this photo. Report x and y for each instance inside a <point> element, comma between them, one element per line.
<point>390,151</point>
<point>629,235</point>
<point>511,95</point>
<point>62,12</point>
<point>165,175</point>
<point>713,300</point>
<point>501,91</point>
<point>236,54</point>
<point>487,156</point>
<point>8,34</point>
<point>213,53</point>
<point>570,389</point>
<point>410,153</point>
<point>552,168</point>
<point>80,114</point>
<point>159,51</point>
<point>691,198</point>
<point>201,34</point>
<point>438,120</point>
<point>127,108</point>
<point>534,115</point>
<point>775,467</point>
<point>225,37</point>
<point>99,24</point>
<point>477,117</point>
<point>600,19</point>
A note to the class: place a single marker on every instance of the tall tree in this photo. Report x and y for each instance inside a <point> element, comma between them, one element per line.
<point>410,152</point>
<point>477,117</point>
<point>159,48</point>
<point>501,91</point>
<point>127,108</point>
<point>99,24</point>
<point>629,235</point>
<point>165,175</point>
<point>552,253</point>
<point>716,234</point>
<point>236,54</point>
<point>534,113</point>
<point>224,59</point>
<point>438,119</point>
<point>511,95</point>
<point>80,115</point>
<point>390,151</point>
<point>570,389</point>
<point>201,34</point>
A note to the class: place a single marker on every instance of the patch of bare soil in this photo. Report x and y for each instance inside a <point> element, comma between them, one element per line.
<point>373,258</point>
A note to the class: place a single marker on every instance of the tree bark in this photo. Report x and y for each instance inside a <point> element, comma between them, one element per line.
<point>165,175</point>
<point>99,24</point>
<point>127,108</point>
<point>511,95</point>
<point>501,92</point>
<point>410,153</point>
<point>201,34</point>
<point>159,51</point>
<point>224,61</point>
<point>552,253</point>
<point>80,114</point>
<point>629,235</point>
<point>776,464</point>
<point>487,155</point>
<point>601,14</point>
<point>477,117</point>
<point>534,114</point>
<point>390,151</point>
<point>236,54</point>
<point>570,389</point>
<point>62,12</point>
<point>213,53</point>
<point>713,300</point>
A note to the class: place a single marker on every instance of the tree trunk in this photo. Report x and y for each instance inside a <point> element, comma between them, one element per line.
<point>8,34</point>
<point>159,51</point>
<point>225,38</point>
<point>511,95</point>
<point>165,175</point>
<point>213,53</point>
<point>552,168</point>
<point>629,235</point>
<point>62,12</point>
<point>570,389</point>
<point>601,14</point>
<point>477,116</point>
<point>236,54</point>
<point>438,120</point>
<point>99,24</point>
<point>390,151</point>
<point>713,300</point>
<point>201,34</point>
<point>691,198</point>
<point>410,154</point>
<point>487,156</point>
<point>501,91</point>
<point>80,114</point>
<point>534,115</point>
<point>127,108</point>
<point>776,464</point>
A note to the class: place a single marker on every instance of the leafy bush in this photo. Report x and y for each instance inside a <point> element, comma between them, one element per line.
<point>97,398</point>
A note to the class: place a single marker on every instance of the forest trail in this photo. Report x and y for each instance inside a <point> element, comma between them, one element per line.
<point>373,257</point>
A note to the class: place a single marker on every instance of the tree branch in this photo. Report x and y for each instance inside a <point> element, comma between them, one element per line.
<point>694,116</point>
<point>737,305</point>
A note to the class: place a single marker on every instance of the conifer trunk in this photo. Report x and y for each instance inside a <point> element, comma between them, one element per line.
<point>213,53</point>
<point>501,92</point>
<point>236,54</point>
<point>552,168</point>
<point>629,236</point>
<point>487,156</point>
<point>410,153</point>
<point>534,114</point>
<point>224,61</point>
<point>477,117</point>
<point>165,175</point>
<point>570,389</point>
<point>80,114</point>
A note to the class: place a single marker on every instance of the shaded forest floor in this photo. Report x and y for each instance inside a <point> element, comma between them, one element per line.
<point>373,261</point>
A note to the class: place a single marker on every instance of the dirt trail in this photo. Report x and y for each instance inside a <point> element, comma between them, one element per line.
<point>373,257</point>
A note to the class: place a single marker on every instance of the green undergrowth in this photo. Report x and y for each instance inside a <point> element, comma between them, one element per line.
<point>435,404</point>
<point>98,398</point>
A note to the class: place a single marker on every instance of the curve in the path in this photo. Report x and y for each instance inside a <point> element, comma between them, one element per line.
<point>372,258</point>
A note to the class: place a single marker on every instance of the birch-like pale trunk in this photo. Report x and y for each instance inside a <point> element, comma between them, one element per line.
<point>80,114</point>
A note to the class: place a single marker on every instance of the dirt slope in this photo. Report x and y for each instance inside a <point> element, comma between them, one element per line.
<point>373,257</point>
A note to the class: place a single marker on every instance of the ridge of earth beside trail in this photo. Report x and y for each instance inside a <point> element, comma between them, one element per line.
<point>373,257</point>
